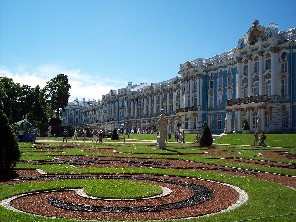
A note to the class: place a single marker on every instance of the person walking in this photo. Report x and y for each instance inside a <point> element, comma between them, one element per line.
<point>262,139</point>
<point>256,138</point>
<point>65,135</point>
<point>75,135</point>
<point>84,135</point>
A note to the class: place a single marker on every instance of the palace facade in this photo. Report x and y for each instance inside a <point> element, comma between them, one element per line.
<point>254,81</point>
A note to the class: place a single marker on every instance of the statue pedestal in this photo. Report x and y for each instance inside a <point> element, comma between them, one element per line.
<point>160,143</point>
<point>162,132</point>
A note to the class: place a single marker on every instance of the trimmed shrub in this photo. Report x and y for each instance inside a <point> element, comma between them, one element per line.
<point>206,138</point>
<point>246,125</point>
<point>115,135</point>
<point>9,149</point>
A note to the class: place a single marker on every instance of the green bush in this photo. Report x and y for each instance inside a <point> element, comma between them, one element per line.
<point>246,125</point>
<point>9,149</point>
<point>115,135</point>
<point>206,138</point>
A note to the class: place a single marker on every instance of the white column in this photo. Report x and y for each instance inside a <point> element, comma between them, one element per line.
<point>132,108</point>
<point>191,93</point>
<point>239,77</point>
<point>149,106</point>
<point>261,119</point>
<point>274,73</point>
<point>154,108</point>
<point>168,102</point>
<point>190,121</point>
<point>239,121</point>
<point>228,123</point>
<point>251,119</point>
<point>145,105</point>
<point>250,73</point>
<point>174,101</point>
<point>200,91</point>
<point>136,109</point>
<point>181,95</point>
<point>160,102</point>
<point>197,91</point>
<point>186,95</point>
<point>261,68</point>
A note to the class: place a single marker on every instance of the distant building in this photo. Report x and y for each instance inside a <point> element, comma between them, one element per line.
<point>255,81</point>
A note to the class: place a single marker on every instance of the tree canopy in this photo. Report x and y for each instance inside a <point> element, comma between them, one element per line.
<point>57,93</point>
<point>35,104</point>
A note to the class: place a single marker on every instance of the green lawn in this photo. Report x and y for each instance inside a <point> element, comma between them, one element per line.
<point>268,201</point>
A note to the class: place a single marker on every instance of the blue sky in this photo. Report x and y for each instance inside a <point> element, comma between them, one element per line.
<point>104,44</point>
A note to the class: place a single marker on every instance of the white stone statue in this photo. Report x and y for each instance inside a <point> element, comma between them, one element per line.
<point>162,125</point>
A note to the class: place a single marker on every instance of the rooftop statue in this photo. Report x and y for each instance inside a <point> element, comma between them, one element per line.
<point>255,33</point>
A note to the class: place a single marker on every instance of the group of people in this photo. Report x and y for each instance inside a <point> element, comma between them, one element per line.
<point>97,136</point>
<point>179,136</point>
<point>262,139</point>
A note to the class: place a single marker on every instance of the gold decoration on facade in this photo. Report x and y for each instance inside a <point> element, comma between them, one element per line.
<point>255,33</point>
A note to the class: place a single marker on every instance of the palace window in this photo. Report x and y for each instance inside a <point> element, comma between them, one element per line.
<point>284,67</point>
<point>268,64</point>
<point>229,78</point>
<point>229,93</point>
<point>219,120</point>
<point>267,118</point>
<point>245,70</point>
<point>285,117</point>
<point>256,67</point>
<point>244,89</point>
<point>268,88</point>
<point>219,98</point>
<point>210,120</point>
<point>211,100</point>
<point>255,89</point>
<point>284,87</point>
<point>255,117</point>
<point>186,122</point>
<point>220,81</point>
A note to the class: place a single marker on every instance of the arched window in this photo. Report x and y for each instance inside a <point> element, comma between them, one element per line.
<point>284,86</point>
<point>256,67</point>
<point>229,93</point>
<point>210,120</point>
<point>284,67</point>
<point>268,87</point>
<point>220,81</point>
<point>255,117</point>
<point>211,100</point>
<point>219,120</point>
<point>244,89</point>
<point>220,103</point>
<point>229,78</point>
<point>245,70</point>
<point>267,118</point>
<point>255,89</point>
<point>267,62</point>
<point>285,117</point>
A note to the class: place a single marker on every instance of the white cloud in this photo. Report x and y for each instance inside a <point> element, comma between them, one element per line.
<point>83,85</point>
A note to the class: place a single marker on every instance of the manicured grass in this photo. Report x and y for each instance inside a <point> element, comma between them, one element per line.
<point>274,140</point>
<point>268,201</point>
<point>120,189</point>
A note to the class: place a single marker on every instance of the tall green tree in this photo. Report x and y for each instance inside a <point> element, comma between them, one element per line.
<point>38,106</point>
<point>9,149</point>
<point>57,93</point>
<point>22,101</point>
<point>12,100</point>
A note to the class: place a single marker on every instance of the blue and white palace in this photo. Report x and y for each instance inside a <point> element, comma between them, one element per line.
<point>255,81</point>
